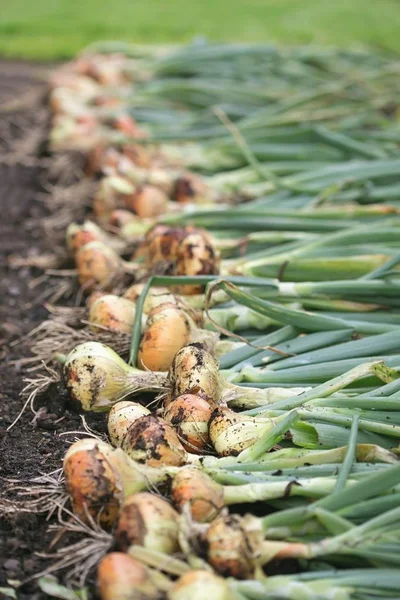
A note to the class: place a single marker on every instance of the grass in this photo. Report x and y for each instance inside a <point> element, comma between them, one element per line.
<point>54,29</point>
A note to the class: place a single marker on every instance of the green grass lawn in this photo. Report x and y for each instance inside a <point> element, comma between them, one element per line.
<point>49,29</point>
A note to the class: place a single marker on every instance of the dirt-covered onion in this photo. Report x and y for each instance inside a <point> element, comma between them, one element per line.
<point>152,441</point>
<point>231,432</point>
<point>196,256</point>
<point>150,521</point>
<point>97,377</point>
<point>190,415</point>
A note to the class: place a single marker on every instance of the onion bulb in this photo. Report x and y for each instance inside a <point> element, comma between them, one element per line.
<point>97,377</point>
<point>191,188</point>
<point>200,585</point>
<point>150,521</point>
<point>80,235</point>
<point>121,417</point>
<point>166,332</point>
<point>193,371</point>
<point>153,441</point>
<point>194,488</point>
<point>196,256</point>
<point>113,313</point>
<point>162,243</point>
<point>233,544</point>
<point>94,485</point>
<point>97,266</point>
<point>119,218</point>
<point>110,195</point>
<point>121,577</point>
<point>190,415</point>
<point>230,432</point>
<point>147,201</point>
<point>99,477</point>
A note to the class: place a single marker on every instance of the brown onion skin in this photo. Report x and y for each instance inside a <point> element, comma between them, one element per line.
<point>94,486</point>
<point>191,409</point>
<point>120,217</point>
<point>195,488</point>
<point>121,577</point>
<point>115,313</point>
<point>153,441</point>
<point>162,244</point>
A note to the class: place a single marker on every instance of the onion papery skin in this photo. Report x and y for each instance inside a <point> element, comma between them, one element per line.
<point>233,543</point>
<point>121,577</point>
<point>200,585</point>
<point>113,313</point>
<point>147,201</point>
<point>80,235</point>
<point>150,521</point>
<point>230,432</point>
<point>98,267</point>
<point>166,332</point>
<point>121,416</point>
<point>189,415</point>
<point>152,441</point>
<point>193,487</point>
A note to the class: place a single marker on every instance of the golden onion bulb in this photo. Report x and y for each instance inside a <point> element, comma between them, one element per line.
<point>147,201</point>
<point>196,256</point>
<point>190,414</point>
<point>194,488</point>
<point>97,266</point>
<point>200,585</point>
<point>150,521</point>
<point>113,313</point>
<point>121,577</point>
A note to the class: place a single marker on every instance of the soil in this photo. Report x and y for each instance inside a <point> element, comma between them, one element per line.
<point>33,446</point>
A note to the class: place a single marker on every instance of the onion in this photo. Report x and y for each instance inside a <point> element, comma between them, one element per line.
<point>230,433</point>
<point>121,577</point>
<point>98,478</point>
<point>196,256</point>
<point>200,585</point>
<point>165,333</point>
<point>147,201</point>
<point>233,544</point>
<point>192,188</point>
<point>121,417</point>
<point>94,485</point>
<point>162,243</point>
<point>147,520</point>
<point>153,441</point>
<point>97,377</point>
<point>190,415</point>
<point>112,312</point>
<point>98,266</point>
<point>93,297</point>
<point>110,195</point>
<point>195,370</point>
<point>196,489</point>
<point>80,235</point>
<point>120,217</point>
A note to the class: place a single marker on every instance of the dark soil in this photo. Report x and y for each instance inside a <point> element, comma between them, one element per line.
<point>33,446</point>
